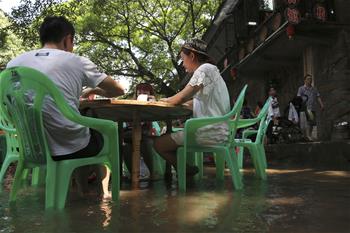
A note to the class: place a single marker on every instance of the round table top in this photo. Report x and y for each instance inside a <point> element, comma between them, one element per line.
<point>125,110</point>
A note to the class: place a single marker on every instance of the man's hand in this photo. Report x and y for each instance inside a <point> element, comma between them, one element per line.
<point>87,92</point>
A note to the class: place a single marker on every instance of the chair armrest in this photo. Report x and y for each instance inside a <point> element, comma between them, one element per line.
<point>101,125</point>
<point>193,124</point>
<point>244,123</point>
<point>7,129</point>
<point>247,133</point>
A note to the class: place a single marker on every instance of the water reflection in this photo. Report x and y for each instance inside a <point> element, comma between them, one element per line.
<point>286,202</point>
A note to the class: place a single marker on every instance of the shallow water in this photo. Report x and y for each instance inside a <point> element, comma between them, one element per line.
<point>292,200</point>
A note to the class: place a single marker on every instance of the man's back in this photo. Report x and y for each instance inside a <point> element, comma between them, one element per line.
<point>70,73</point>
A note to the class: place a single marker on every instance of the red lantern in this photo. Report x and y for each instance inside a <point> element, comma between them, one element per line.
<point>320,12</point>
<point>292,15</point>
<point>292,2</point>
<point>233,72</point>
<point>290,31</point>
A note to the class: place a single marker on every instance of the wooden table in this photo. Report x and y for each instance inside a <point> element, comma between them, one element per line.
<point>135,111</point>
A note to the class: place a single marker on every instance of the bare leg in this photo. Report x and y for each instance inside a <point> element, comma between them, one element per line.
<point>166,147</point>
<point>309,129</point>
<point>105,175</point>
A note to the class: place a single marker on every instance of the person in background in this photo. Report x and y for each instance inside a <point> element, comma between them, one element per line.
<point>292,111</point>
<point>259,106</point>
<point>70,72</point>
<point>310,96</point>
<point>246,112</point>
<point>208,92</point>
<point>273,113</point>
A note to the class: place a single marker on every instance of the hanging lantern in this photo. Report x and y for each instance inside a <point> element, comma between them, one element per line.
<point>233,73</point>
<point>292,15</point>
<point>320,12</point>
<point>290,31</point>
<point>292,2</point>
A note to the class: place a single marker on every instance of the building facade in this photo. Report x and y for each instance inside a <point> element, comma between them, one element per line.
<point>277,42</point>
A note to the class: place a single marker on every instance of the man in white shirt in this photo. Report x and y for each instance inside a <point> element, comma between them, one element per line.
<point>70,72</point>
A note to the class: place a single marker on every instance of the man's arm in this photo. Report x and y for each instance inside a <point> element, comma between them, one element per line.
<point>107,88</point>
<point>184,95</point>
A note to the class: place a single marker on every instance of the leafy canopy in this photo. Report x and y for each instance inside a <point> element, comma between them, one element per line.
<point>139,39</point>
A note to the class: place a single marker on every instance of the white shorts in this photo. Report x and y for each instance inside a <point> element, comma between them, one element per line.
<point>178,137</point>
<point>207,135</point>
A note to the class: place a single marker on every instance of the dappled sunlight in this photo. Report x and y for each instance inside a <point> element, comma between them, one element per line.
<point>203,207</point>
<point>345,174</point>
<point>287,171</point>
<point>286,201</point>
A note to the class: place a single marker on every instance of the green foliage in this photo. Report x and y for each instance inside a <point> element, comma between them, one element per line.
<point>10,44</point>
<point>139,39</point>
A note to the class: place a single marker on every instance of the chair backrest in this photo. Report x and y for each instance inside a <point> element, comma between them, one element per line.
<point>264,121</point>
<point>10,135</point>
<point>23,92</point>
<point>235,114</point>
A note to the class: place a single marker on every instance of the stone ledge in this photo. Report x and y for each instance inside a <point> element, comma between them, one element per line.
<point>323,155</point>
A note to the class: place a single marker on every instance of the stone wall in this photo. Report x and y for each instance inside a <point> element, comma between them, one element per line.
<point>332,78</point>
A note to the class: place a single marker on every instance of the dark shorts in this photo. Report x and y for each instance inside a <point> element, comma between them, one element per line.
<point>92,149</point>
<point>311,118</point>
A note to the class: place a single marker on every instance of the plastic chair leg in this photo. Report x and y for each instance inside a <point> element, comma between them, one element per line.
<point>62,184</point>
<point>8,160</point>
<point>50,193</point>
<point>181,169</point>
<point>263,155</point>
<point>17,181</point>
<point>220,166</point>
<point>232,163</point>
<point>199,163</point>
<point>240,157</point>
<point>259,164</point>
<point>38,176</point>
<point>262,162</point>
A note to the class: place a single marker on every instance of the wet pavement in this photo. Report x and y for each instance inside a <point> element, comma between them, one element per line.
<point>291,200</point>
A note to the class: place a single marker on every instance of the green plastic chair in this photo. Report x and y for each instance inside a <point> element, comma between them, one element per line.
<point>223,152</point>
<point>22,93</point>
<point>256,147</point>
<point>12,154</point>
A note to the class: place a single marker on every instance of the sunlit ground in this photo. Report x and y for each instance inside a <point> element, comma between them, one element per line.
<point>291,200</point>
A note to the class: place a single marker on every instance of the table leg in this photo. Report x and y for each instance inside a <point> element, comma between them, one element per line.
<point>169,128</point>
<point>136,141</point>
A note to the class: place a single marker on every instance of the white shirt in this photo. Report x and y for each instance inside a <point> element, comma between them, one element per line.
<point>211,101</point>
<point>293,114</point>
<point>274,110</point>
<point>70,73</point>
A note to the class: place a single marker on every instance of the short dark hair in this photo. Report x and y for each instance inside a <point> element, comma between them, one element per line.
<point>307,75</point>
<point>55,28</point>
